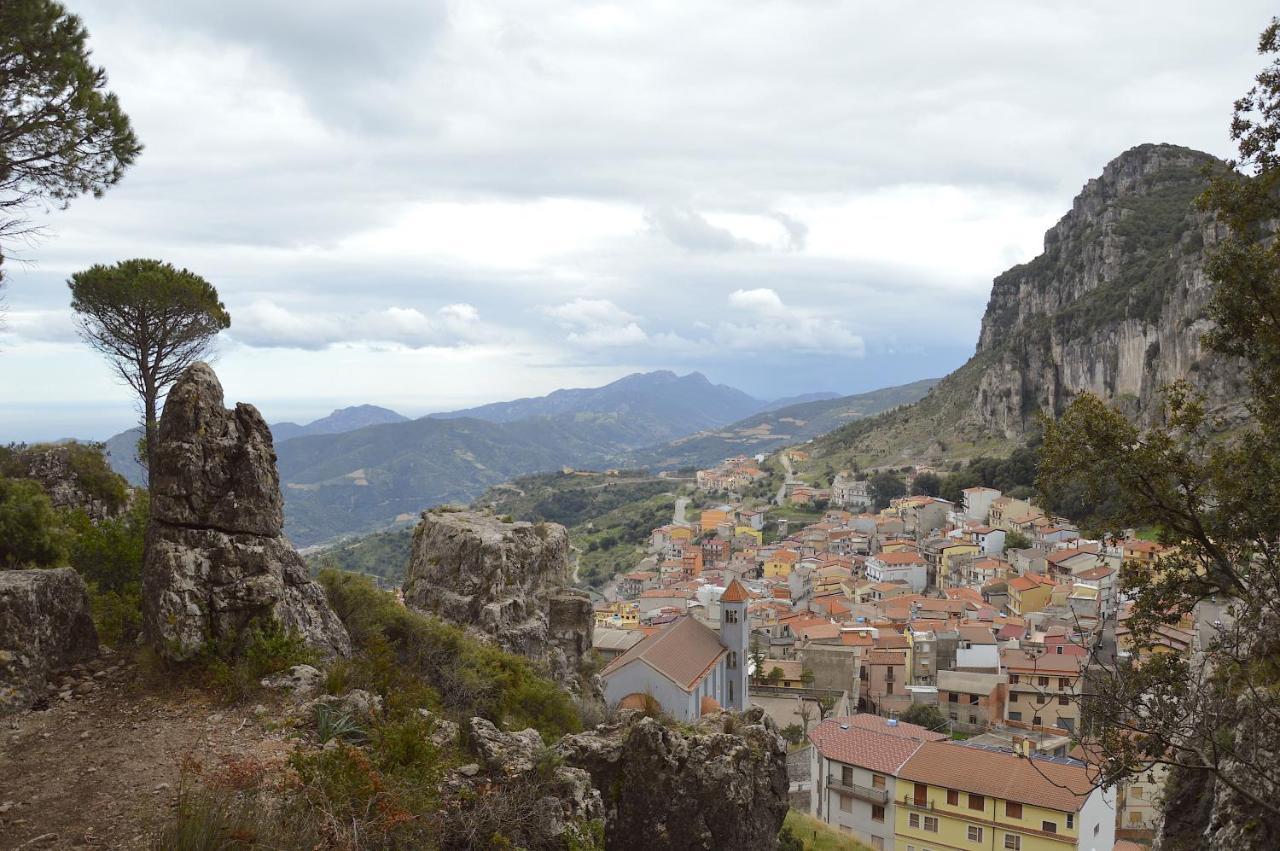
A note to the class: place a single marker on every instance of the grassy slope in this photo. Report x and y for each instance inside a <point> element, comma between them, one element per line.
<point>817,836</point>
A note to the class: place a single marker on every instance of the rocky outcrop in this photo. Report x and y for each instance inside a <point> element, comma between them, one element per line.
<point>75,476</point>
<point>721,785</point>
<point>44,626</point>
<point>216,560</point>
<point>1116,303</point>
<point>504,580</point>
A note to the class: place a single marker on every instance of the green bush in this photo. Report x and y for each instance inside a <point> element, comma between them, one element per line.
<point>234,672</point>
<point>206,820</point>
<point>30,534</point>
<point>405,653</point>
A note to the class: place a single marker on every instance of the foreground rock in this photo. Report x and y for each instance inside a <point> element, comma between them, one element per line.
<point>724,785</point>
<point>44,626</point>
<point>216,559</point>
<point>506,581</point>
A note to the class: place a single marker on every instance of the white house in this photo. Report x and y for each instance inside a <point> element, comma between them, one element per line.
<point>686,667</point>
<point>908,567</point>
<point>977,502</point>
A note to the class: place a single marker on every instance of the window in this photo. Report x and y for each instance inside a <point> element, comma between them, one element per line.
<point>1043,682</point>
<point>877,843</point>
<point>973,719</point>
<point>877,781</point>
<point>1037,720</point>
<point>953,698</point>
<point>975,834</point>
<point>888,687</point>
<point>914,820</point>
<point>921,794</point>
<point>733,660</point>
<point>1013,697</point>
<point>1064,701</point>
<point>953,797</point>
<point>846,803</point>
<point>977,802</point>
<point>1015,716</point>
<point>1012,809</point>
<point>1096,828</point>
<point>1049,826</point>
<point>731,691</point>
<point>1013,842</point>
<point>1071,820</point>
<point>1137,792</point>
<point>973,700</point>
<point>931,824</point>
<point>1013,679</point>
<point>846,775</point>
<point>877,812</point>
<point>1064,683</point>
<point>730,615</point>
<point>1135,818</point>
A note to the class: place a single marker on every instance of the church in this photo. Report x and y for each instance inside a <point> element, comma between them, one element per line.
<point>686,668</point>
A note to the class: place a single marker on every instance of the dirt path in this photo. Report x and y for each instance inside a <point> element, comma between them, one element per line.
<point>102,770</point>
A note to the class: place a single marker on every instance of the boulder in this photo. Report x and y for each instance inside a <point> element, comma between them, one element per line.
<point>506,581</point>
<point>45,626</point>
<point>216,559</point>
<point>721,785</point>
<point>301,681</point>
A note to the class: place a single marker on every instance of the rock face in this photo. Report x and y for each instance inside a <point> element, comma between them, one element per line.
<point>505,581</point>
<point>76,476</point>
<point>44,626</point>
<point>216,559</point>
<point>1115,305</point>
<point>724,785</point>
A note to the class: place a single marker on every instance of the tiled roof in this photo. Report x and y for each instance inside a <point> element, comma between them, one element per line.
<point>870,741</point>
<point>1048,664</point>
<point>735,593</point>
<point>683,652</point>
<point>997,774</point>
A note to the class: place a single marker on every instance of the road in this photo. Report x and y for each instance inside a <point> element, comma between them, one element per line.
<point>790,478</point>
<point>1207,612</point>
<point>677,516</point>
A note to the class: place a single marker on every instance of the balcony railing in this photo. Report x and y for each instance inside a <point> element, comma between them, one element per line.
<point>866,793</point>
<point>910,802</point>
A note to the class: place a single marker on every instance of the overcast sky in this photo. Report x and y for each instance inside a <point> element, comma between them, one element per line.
<point>429,205</point>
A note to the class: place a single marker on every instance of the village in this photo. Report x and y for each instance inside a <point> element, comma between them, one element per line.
<point>926,661</point>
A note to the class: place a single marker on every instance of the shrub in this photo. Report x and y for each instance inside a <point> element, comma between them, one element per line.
<point>30,534</point>
<point>414,660</point>
<point>267,648</point>
<point>332,723</point>
<point>206,820</point>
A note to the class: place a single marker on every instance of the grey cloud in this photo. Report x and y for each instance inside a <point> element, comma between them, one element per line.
<point>687,229</point>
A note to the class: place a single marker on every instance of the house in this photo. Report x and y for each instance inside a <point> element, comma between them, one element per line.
<point>778,564</point>
<point>1138,803</point>
<point>1030,593</point>
<point>905,566</point>
<point>851,492</point>
<point>954,560</point>
<point>854,765</point>
<point>885,687</point>
<point>977,502</point>
<point>1044,688</point>
<point>752,517</point>
<point>611,643</point>
<point>637,581</point>
<point>972,701</point>
<point>955,795</point>
<point>686,668</point>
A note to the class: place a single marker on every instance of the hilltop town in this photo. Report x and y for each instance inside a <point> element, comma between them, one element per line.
<point>978,620</point>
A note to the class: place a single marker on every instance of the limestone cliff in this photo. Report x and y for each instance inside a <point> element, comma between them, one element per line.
<point>507,581</point>
<point>216,560</point>
<point>1114,305</point>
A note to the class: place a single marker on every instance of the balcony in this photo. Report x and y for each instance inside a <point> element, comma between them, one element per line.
<point>866,793</point>
<point>910,803</point>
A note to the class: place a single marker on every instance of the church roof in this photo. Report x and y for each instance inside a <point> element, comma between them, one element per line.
<point>683,652</point>
<point>735,593</point>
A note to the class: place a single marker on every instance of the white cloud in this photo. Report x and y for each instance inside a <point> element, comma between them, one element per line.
<point>763,301</point>
<point>597,323</point>
<point>265,324</point>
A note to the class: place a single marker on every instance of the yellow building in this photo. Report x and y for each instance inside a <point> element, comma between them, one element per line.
<point>952,796</point>
<point>1030,593</point>
<point>779,564</point>
<point>754,534</point>
<point>954,559</point>
<point>682,534</point>
<point>711,518</point>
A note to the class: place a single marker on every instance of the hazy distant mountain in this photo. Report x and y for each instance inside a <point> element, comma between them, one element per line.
<point>341,420</point>
<point>803,398</point>
<point>688,402</point>
<point>122,455</point>
<point>773,429</point>
<point>367,478</point>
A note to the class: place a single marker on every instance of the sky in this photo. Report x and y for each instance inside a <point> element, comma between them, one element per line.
<point>431,205</point>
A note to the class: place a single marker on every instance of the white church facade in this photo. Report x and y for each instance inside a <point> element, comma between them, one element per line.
<point>686,667</point>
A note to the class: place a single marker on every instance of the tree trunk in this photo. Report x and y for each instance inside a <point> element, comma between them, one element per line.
<point>149,424</point>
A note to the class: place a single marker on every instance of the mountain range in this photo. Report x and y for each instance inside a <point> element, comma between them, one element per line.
<point>376,476</point>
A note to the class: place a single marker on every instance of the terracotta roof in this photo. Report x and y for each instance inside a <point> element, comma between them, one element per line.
<point>1029,582</point>
<point>997,774</point>
<point>899,558</point>
<point>735,593</point>
<point>1071,552</point>
<point>869,741</point>
<point>1049,664</point>
<point>683,652</point>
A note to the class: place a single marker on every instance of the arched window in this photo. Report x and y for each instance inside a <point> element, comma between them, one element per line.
<point>733,660</point>
<point>730,615</point>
